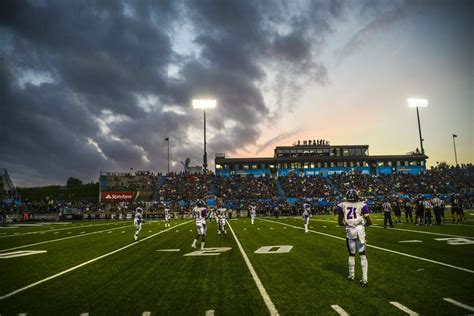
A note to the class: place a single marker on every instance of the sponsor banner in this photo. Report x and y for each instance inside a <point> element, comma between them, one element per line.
<point>117,196</point>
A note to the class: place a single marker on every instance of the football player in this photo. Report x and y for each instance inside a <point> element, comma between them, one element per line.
<point>167,217</point>
<point>199,214</point>
<point>253,213</point>
<point>221,218</point>
<point>355,215</point>
<point>408,211</point>
<point>306,216</point>
<point>138,220</point>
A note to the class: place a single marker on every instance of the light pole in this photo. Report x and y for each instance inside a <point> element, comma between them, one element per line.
<point>454,143</point>
<point>204,104</point>
<point>168,140</point>
<point>418,103</point>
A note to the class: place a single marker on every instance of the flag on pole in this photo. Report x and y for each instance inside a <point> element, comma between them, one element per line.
<point>454,135</point>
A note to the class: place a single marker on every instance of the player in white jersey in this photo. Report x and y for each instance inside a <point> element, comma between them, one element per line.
<point>221,213</point>
<point>199,214</point>
<point>167,217</point>
<point>138,220</point>
<point>354,215</point>
<point>306,216</point>
<point>253,213</point>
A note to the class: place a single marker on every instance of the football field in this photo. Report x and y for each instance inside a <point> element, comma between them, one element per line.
<point>271,267</point>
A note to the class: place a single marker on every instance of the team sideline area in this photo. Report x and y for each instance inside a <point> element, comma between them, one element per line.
<point>271,267</point>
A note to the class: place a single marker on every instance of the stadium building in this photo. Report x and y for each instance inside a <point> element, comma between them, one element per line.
<point>7,189</point>
<point>318,157</point>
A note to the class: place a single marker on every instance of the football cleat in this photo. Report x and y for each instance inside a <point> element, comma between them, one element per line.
<point>363,283</point>
<point>350,278</point>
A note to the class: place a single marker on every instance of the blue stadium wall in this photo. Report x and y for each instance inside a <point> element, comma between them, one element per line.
<point>324,172</point>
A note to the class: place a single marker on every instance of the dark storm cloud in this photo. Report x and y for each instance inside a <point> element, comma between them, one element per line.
<point>74,77</point>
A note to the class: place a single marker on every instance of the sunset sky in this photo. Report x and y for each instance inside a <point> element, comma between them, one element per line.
<point>98,85</point>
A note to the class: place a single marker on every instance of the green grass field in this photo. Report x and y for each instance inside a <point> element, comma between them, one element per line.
<point>96,268</point>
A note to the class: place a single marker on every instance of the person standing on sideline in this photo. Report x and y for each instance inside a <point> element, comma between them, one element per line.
<point>437,205</point>
<point>387,214</point>
<point>306,216</point>
<point>354,215</point>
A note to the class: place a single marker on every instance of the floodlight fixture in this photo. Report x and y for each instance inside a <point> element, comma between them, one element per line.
<point>413,103</point>
<point>204,103</point>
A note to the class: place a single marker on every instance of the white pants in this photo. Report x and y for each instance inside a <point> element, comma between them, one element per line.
<point>355,239</point>
<point>201,228</point>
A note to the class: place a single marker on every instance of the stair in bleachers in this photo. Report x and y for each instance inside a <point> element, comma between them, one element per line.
<point>280,190</point>
<point>212,189</point>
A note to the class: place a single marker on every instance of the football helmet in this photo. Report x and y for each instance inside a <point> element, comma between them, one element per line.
<point>352,196</point>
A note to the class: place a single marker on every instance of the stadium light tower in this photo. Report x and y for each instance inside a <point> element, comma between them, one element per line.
<point>416,103</point>
<point>204,104</point>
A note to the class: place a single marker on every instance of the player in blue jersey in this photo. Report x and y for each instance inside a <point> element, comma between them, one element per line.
<point>199,214</point>
<point>354,215</point>
<point>137,221</point>
<point>306,216</point>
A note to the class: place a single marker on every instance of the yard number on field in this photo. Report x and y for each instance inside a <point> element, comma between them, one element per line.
<point>273,249</point>
<point>456,241</point>
<point>209,251</point>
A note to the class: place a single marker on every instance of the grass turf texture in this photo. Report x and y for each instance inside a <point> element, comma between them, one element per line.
<point>307,280</point>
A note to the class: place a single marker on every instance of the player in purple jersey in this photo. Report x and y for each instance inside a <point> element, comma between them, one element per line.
<point>354,215</point>
<point>199,214</point>
<point>306,216</point>
<point>137,221</point>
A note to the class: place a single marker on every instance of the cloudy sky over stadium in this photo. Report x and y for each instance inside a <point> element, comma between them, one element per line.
<point>98,85</point>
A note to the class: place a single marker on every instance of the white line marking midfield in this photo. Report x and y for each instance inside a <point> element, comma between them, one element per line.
<point>450,300</point>
<point>266,298</point>
<point>85,263</point>
<point>380,248</point>
<point>404,309</point>
<point>339,310</point>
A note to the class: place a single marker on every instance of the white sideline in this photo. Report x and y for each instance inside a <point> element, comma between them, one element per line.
<point>450,300</point>
<point>403,229</point>
<point>59,239</point>
<point>404,308</point>
<point>85,263</point>
<point>53,230</point>
<point>266,298</point>
<point>380,248</point>
<point>146,314</point>
<point>422,232</point>
<point>339,310</point>
<point>210,312</point>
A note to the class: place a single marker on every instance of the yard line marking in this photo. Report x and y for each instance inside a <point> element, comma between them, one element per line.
<point>404,308</point>
<point>85,263</point>
<point>146,314</point>
<point>84,314</point>
<point>210,312</point>
<point>450,300</point>
<point>380,248</point>
<point>57,239</point>
<point>65,228</point>
<point>20,253</point>
<point>22,314</point>
<point>403,241</point>
<point>167,250</point>
<point>339,310</point>
<point>422,232</point>
<point>268,302</point>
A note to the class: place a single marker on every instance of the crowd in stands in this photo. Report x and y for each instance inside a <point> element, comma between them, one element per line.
<point>138,181</point>
<point>246,187</point>
<point>182,186</point>
<point>272,195</point>
<point>306,187</point>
